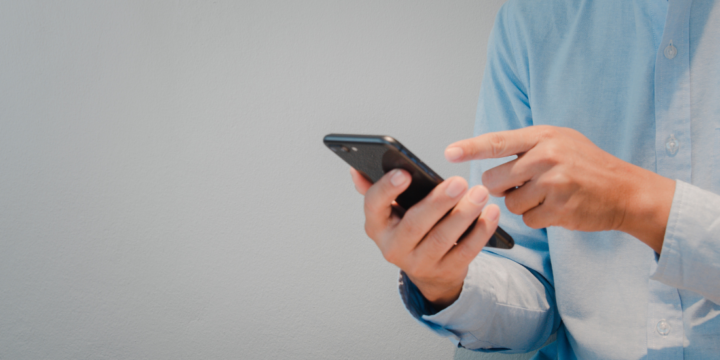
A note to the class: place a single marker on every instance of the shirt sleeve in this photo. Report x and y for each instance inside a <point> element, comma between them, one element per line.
<point>503,307</point>
<point>690,255</point>
<point>507,303</point>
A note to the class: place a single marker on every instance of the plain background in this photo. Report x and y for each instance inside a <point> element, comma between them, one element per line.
<point>164,191</point>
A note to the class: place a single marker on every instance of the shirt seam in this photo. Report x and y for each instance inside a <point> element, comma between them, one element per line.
<point>669,248</point>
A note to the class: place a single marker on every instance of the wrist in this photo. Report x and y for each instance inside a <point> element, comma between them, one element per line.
<point>445,299</point>
<point>647,209</point>
<point>439,296</point>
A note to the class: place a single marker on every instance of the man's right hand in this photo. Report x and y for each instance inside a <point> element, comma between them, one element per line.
<point>425,247</point>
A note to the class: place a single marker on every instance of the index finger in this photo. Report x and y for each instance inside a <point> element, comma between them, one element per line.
<point>494,145</point>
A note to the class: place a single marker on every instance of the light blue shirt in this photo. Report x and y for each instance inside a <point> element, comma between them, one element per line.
<point>641,79</point>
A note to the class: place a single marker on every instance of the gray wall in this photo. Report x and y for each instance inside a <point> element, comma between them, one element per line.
<point>164,192</point>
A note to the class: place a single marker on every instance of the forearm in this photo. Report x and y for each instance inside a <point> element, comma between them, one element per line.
<point>646,208</point>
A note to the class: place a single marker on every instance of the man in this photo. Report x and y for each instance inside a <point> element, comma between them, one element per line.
<point>599,132</point>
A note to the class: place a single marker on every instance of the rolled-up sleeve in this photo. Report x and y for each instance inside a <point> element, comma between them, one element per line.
<point>690,255</point>
<point>503,306</point>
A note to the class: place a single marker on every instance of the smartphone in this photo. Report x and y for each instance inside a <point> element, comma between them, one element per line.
<point>374,155</point>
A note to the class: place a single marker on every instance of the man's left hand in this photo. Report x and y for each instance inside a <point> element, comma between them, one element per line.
<point>560,178</point>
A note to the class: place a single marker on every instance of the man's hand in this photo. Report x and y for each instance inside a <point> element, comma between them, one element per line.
<point>419,242</point>
<point>560,178</point>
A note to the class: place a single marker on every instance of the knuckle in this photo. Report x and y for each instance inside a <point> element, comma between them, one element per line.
<point>370,231</point>
<point>411,214</point>
<point>489,180</point>
<point>548,132</point>
<point>531,222</point>
<point>368,205</point>
<point>438,275</point>
<point>385,191</point>
<point>554,182</point>
<point>496,191</point>
<point>451,274</point>
<point>413,269</point>
<point>437,239</point>
<point>467,212</point>
<point>512,204</point>
<point>560,181</point>
<point>422,272</point>
<point>409,225</point>
<point>470,149</point>
<point>391,256</point>
<point>379,194</point>
<point>552,154</point>
<point>497,144</point>
<point>468,253</point>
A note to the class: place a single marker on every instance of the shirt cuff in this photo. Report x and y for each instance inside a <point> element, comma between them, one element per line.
<point>454,316</point>
<point>419,307</point>
<point>691,247</point>
<point>488,316</point>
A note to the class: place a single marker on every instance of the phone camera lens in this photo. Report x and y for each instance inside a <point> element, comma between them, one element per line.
<point>344,149</point>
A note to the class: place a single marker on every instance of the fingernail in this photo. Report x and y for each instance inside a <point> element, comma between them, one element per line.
<point>398,178</point>
<point>455,188</point>
<point>478,195</point>
<point>453,153</point>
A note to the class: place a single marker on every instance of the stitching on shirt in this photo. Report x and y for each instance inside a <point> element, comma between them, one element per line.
<point>681,206</point>
<point>671,231</point>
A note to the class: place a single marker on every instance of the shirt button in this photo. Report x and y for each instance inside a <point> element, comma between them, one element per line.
<point>670,51</point>
<point>663,327</point>
<point>672,145</point>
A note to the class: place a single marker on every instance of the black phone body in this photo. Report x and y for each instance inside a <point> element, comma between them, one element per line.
<point>374,155</point>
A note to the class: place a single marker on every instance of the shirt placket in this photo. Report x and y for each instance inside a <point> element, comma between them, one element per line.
<point>673,155</point>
